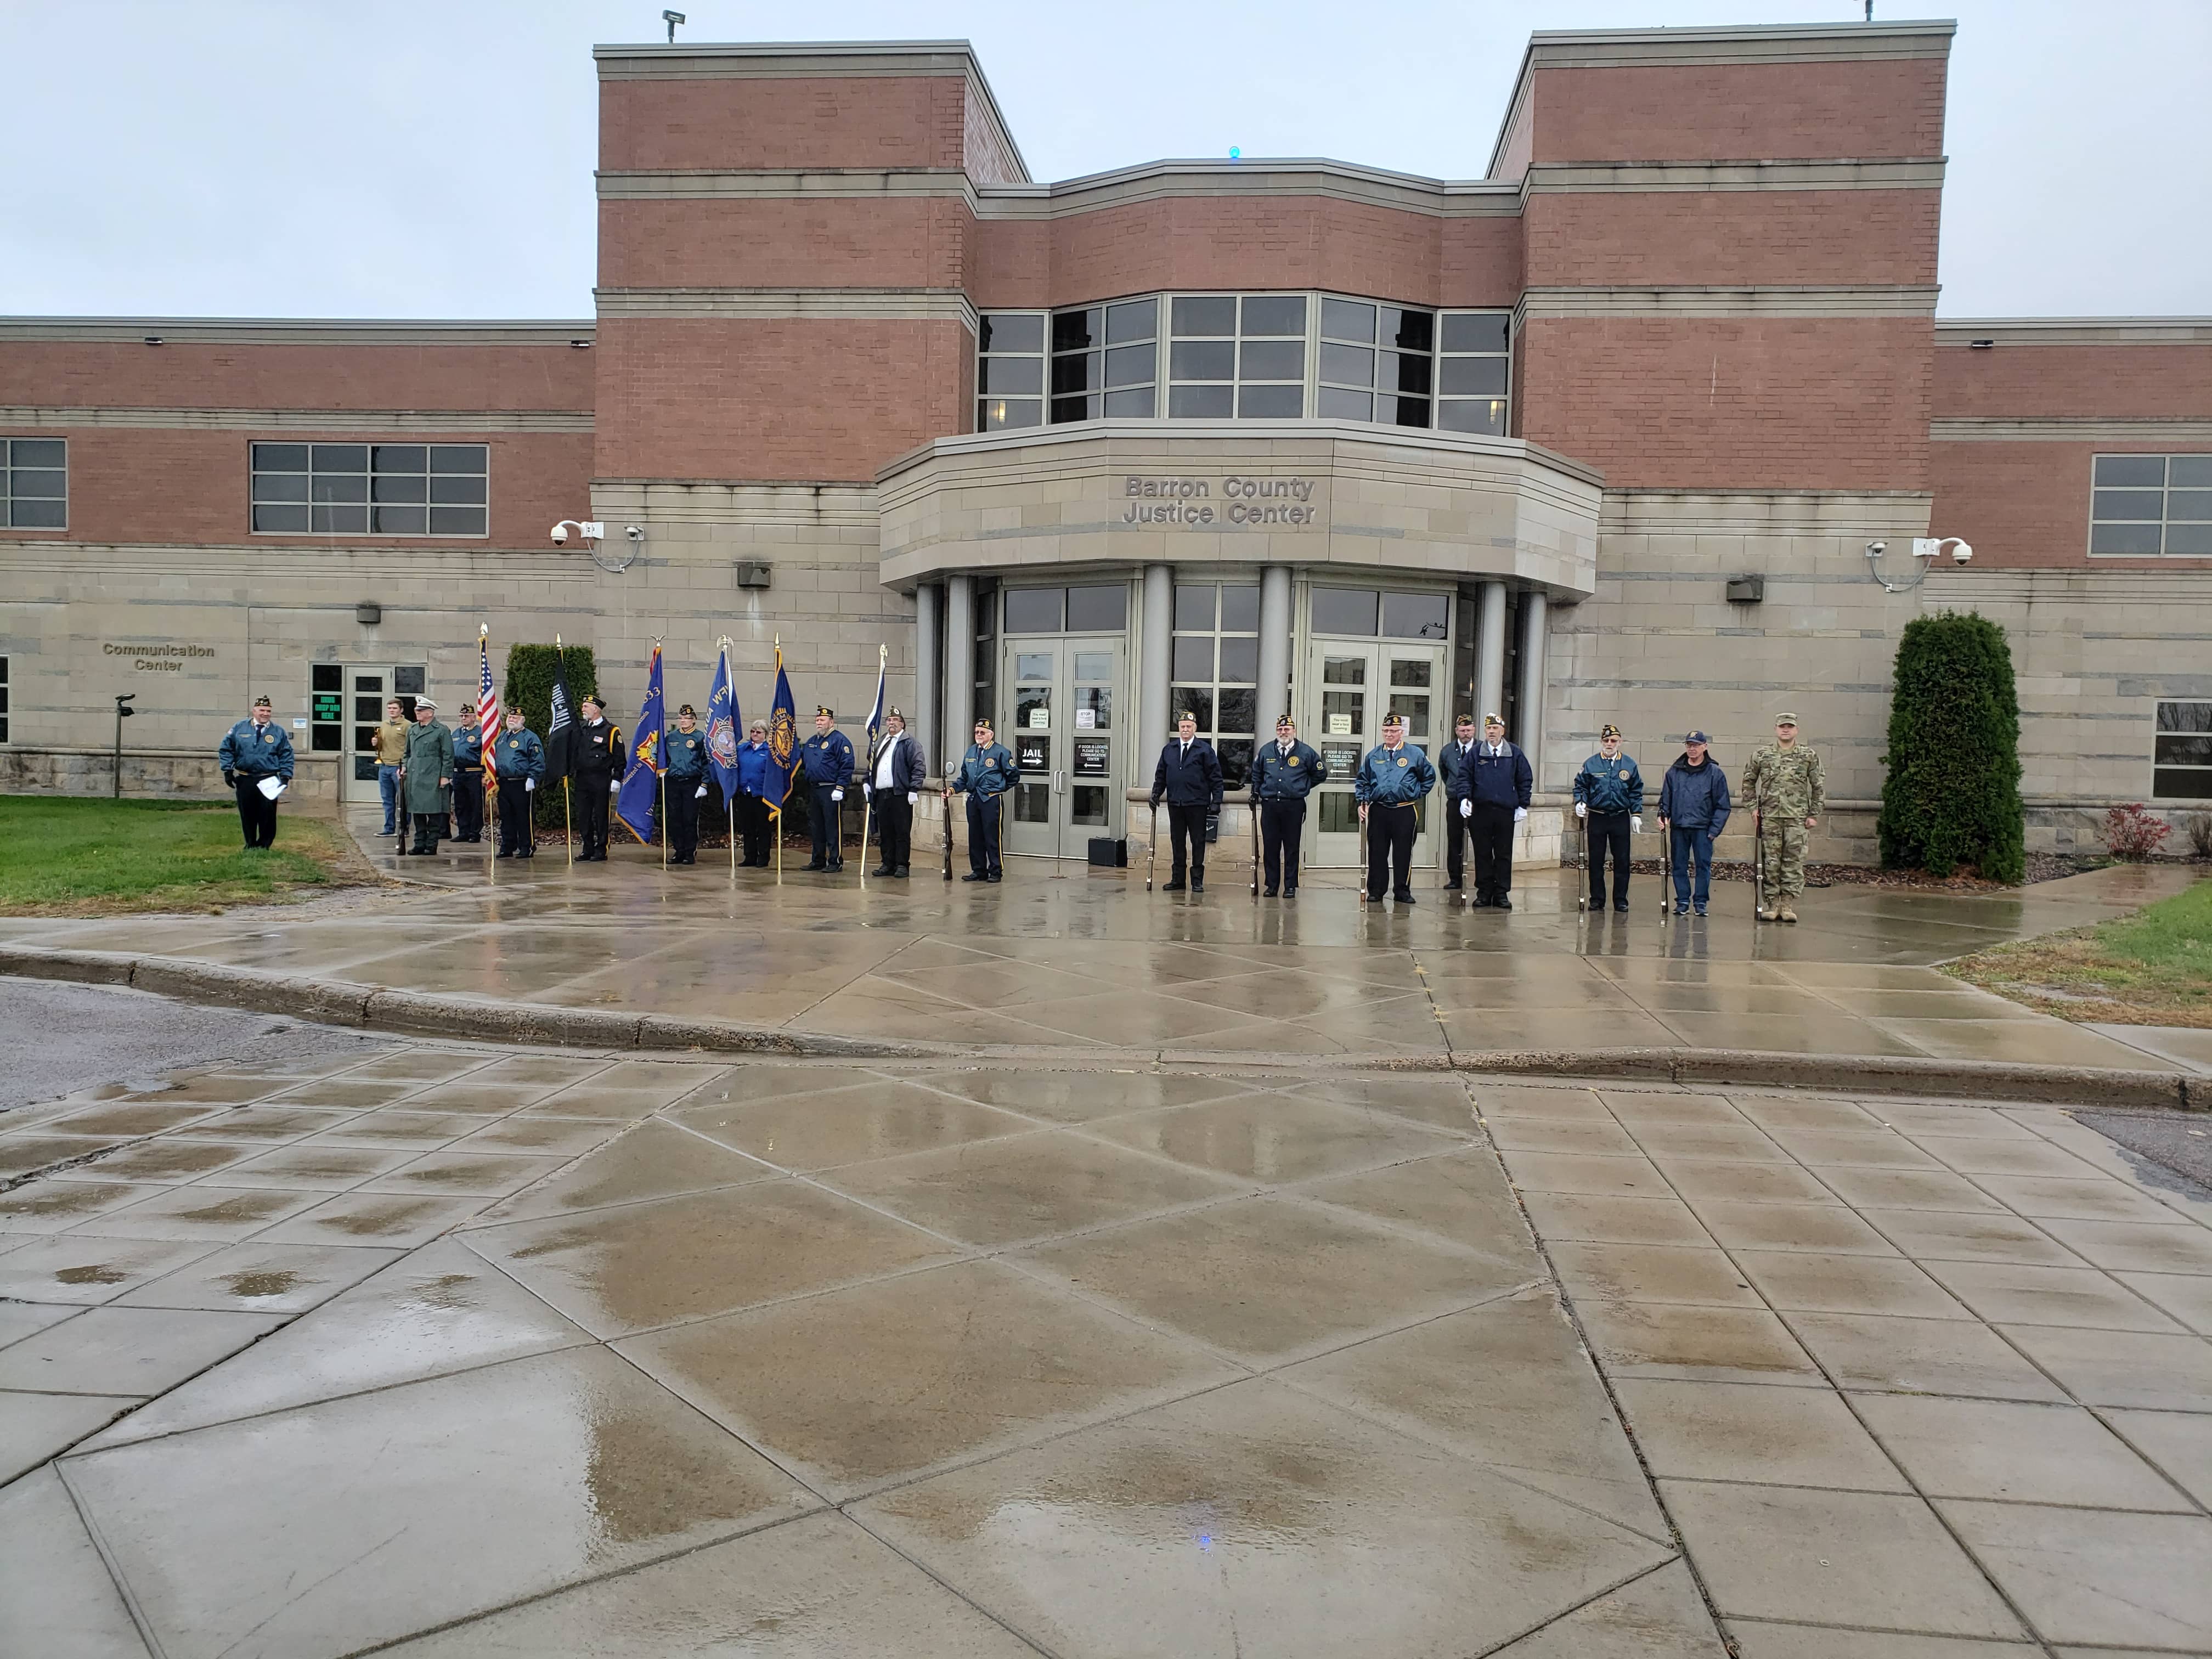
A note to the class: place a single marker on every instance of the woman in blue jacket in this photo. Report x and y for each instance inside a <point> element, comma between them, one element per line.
<point>755,759</point>
<point>1693,810</point>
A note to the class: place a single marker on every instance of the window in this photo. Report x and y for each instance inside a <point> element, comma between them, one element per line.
<point>1240,356</point>
<point>1473,371</point>
<point>4,699</point>
<point>35,483</point>
<point>1215,661</point>
<point>2181,762</point>
<point>2143,506</point>
<point>1101,609</point>
<point>1105,359</point>
<point>1363,613</point>
<point>1009,370</point>
<point>1375,363</point>
<point>383,489</point>
<point>326,709</point>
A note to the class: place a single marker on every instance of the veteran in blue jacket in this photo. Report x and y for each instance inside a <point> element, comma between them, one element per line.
<point>826,758</point>
<point>756,762</point>
<point>684,751</point>
<point>1390,783</point>
<point>1499,785</point>
<point>1609,800</point>
<point>518,763</point>
<point>1693,810</point>
<point>987,772</point>
<point>1284,773</point>
<point>1189,778</point>
<point>255,750</point>
<point>895,769</point>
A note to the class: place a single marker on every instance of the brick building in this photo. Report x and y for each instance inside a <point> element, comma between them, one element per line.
<point>1612,434</point>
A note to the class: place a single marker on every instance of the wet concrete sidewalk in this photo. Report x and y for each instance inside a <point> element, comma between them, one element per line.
<point>480,1352</point>
<point>1059,956</point>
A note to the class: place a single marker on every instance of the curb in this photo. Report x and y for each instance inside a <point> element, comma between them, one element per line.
<point>409,1014</point>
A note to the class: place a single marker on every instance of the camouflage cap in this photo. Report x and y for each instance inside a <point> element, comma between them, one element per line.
<point>1785,720</point>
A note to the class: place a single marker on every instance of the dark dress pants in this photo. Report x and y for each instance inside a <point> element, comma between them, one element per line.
<point>468,805</point>
<point>753,826</point>
<point>514,828</point>
<point>428,828</point>
<point>683,818</point>
<point>1282,830</point>
<point>1187,841</point>
<point>1608,836</point>
<point>256,813</point>
<point>825,822</point>
<point>1459,833</point>
<point>983,835</point>
<point>588,801</point>
<point>1390,832</point>
<point>1490,827</point>
<point>894,827</point>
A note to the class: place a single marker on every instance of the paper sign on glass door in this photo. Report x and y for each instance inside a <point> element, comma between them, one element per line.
<point>1339,725</point>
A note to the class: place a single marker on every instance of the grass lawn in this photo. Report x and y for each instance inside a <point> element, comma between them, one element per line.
<point>2152,968</point>
<point>70,856</point>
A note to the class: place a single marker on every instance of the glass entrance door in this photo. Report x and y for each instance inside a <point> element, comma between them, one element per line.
<point>1356,682</point>
<point>369,687</point>
<point>1063,719</point>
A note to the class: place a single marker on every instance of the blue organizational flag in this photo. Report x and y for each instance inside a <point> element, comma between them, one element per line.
<point>782,740</point>
<point>641,785</point>
<point>722,727</point>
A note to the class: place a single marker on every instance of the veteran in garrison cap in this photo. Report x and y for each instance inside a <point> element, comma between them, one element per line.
<point>826,760</point>
<point>1284,773</point>
<point>426,781</point>
<point>1497,798</point>
<point>1788,791</point>
<point>685,750</point>
<point>1609,800</point>
<point>895,769</point>
<point>256,757</point>
<point>1389,784</point>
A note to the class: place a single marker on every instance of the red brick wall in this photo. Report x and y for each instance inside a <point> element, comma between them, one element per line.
<point>190,488</point>
<point>989,158</point>
<point>1739,112</point>
<point>184,374</point>
<point>1740,403</point>
<point>868,121</point>
<point>2145,381</point>
<point>792,399</point>
<point>1813,238</point>
<point>888,241</point>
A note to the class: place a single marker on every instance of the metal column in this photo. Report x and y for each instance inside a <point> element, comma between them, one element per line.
<point>1490,654</point>
<point>959,667</point>
<point>928,683</point>
<point>1274,647</point>
<point>1154,676</point>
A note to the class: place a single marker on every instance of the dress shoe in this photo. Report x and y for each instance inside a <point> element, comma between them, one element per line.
<point>1620,904</point>
<point>815,866</point>
<point>1291,891</point>
<point>1502,902</point>
<point>1171,887</point>
<point>1270,893</point>
<point>1403,897</point>
<point>994,876</point>
<point>1197,887</point>
<point>1452,886</point>
<point>973,875</point>
<point>880,871</point>
<point>899,874</point>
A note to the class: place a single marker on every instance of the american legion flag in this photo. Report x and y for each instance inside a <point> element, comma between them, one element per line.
<point>487,704</point>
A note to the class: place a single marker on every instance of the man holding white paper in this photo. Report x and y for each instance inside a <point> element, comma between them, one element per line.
<point>257,763</point>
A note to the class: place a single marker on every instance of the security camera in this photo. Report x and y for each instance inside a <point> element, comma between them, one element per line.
<point>1961,552</point>
<point>635,532</point>
<point>1875,549</point>
<point>560,535</point>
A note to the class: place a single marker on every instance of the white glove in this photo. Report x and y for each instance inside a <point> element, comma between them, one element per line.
<point>837,794</point>
<point>912,798</point>
<point>1519,813</point>
<point>1466,808</point>
<point>699,794</point>
<point>529,786</point>
<point>614,785</point>
<point>1581,810</point>
<point>1636,823</point>
<point>869,790</point>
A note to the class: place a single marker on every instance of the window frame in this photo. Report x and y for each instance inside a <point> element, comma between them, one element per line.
<point>2166,491</point>
<point>1042,356</point>
<point>368,475</point>
<point>9,467</point>
<point>2160,729</point>
<point>1210,724</point>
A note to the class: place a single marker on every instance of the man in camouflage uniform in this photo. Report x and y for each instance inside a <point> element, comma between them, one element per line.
<point>1784,783</point>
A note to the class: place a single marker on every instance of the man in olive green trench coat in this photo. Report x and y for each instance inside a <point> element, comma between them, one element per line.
<point>426,779</point>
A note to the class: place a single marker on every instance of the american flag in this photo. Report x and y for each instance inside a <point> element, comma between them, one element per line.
<point>487,704</point>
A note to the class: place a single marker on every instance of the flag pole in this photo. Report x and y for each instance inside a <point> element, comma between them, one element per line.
<point>775,818</point>
<point>490,796</point>
<point>729,796</point>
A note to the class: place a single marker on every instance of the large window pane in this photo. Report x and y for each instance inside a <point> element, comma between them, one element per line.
<point>1271,403</point>
<point>1007,414</point>
<point>1476,331</point>
<point>1080,371</point>
<point>1015,330</point>
<point>2189,504</point>
<point>38,452</point>
<point>996,376</point>
<point>406,487</point>
<point>1274,314</point>
<point>2111,504</point>
<point>1472,376</point>
<point>2189,540</point>
<point>280,457</point>
<point>2123,471</point>
<point>2189,472</point>
<point>1200,403</point>
<point>1131,405</point>
<point>1467,415</point>
<point>1204,314</point>
<point>1416,616</point>
<point>38,516</point>
<point>1134,319</point>
<point>1352,365</point>
<point>1202,360</point>
<point>1344,610</point>
<point>457,521</point>
<point>1034,610</point>
<point>1240,660</point>
<point>1076,331</point>
<point>401,520</point>
<point>1333,402</point>
<point>458,458</point>
<point>2136,539</point>
<point>1103,609</point>
<point>453,492</point>
<point>1240,610</point>
<point>340,458</point>
<point>400,457</point>
<point>1409,331</point>
<point>1272,360</point>
<point>1194,657</point>
<point>280,518</point>
<point>1197,701</point>
<point>1130,365</point>
<point>1194,605</point>
<point>1347,319</point>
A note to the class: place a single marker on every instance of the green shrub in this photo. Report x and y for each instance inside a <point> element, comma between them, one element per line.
<point>529,688</point>
<point>1952,797</point>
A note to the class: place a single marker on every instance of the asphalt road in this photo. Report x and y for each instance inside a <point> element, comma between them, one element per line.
<point>61,1038</point>
<point>2176,1145</point>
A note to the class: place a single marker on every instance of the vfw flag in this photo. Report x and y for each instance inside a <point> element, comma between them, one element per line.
<point>641,785</point>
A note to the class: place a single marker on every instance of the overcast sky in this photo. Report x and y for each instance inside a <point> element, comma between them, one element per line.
<point>400,158</point>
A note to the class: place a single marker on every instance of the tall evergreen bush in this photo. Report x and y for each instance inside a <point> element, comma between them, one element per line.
<point>529,688</point>
<point>1952,796</point>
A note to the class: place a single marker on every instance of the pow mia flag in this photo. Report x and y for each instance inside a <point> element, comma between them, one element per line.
<point>560,724</point>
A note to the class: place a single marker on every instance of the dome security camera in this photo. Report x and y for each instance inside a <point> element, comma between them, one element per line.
<point>1961,552</point>
<point>560,535</point>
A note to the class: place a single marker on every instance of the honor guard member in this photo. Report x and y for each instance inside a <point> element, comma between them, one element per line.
<point>1609,800</point>
<point>895,770</point>
<point>1284,773</point>
<point>987,772</point>
<point>1497,798</point>
<point>1787,790</point>
<point>1693,810</point>
<point>469,739</point>
<point>1394,779</point>
<point>390,750</point>
<point>598,775</point>
<point>685,752</point>
<point>426,779</point>
<point>1189,778</point>
<point>255,751</point>
<point>1456,766</point>
<point>520,760</point>
<point>751,805</point>
<point>826,759</point>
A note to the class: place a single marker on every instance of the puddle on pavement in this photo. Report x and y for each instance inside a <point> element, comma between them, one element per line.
<point>97,1273</point>
<point>248,1285</point>
<point>397,1216</point>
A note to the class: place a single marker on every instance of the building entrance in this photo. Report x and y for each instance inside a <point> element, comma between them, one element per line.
<point>368,686</point>
<point>1351,685</point>
<point>1064,720</point>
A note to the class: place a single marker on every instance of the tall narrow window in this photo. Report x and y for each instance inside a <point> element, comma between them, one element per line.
<point>1216,669</point>
<point>35,483</point>
<point>1473,371</point>
<point>1009,370</point>
<point>1377,363</point>
<point>1105,361</point>
<point>2181,765</point>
